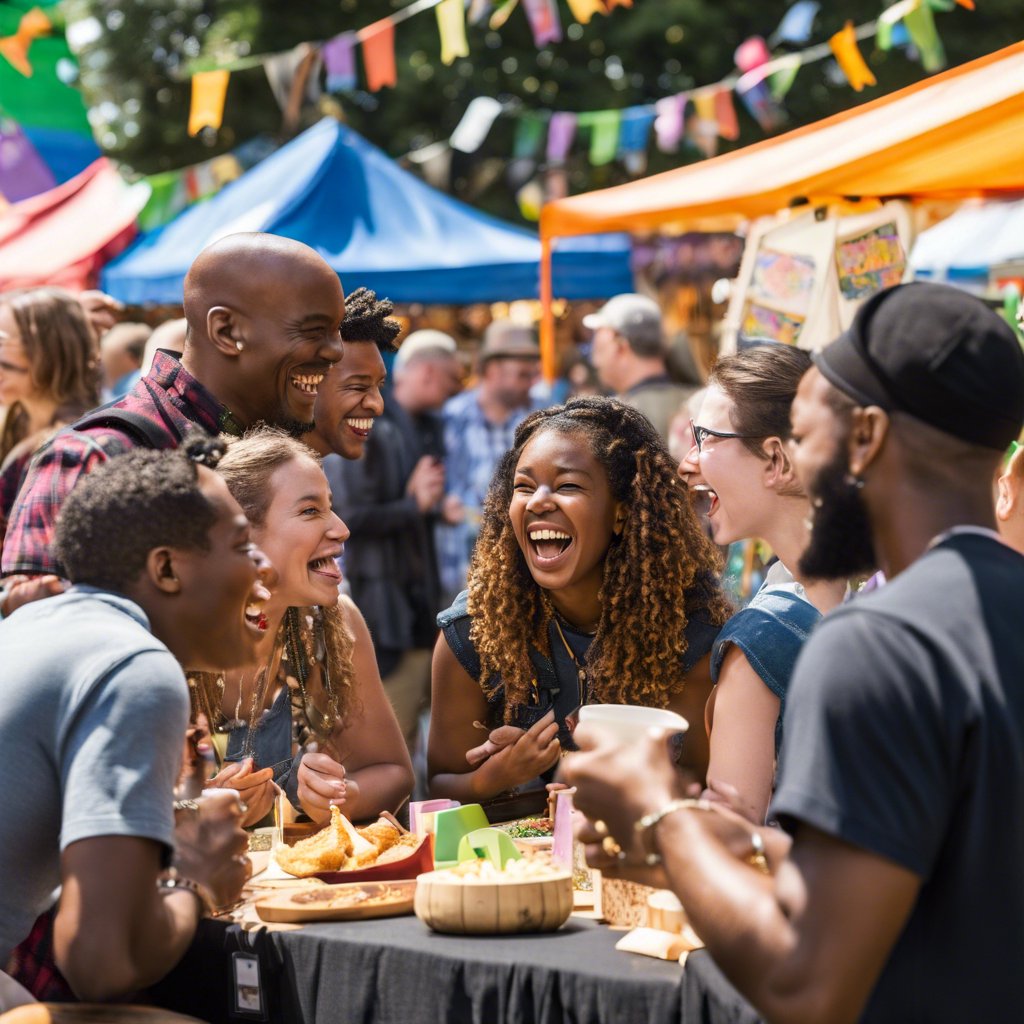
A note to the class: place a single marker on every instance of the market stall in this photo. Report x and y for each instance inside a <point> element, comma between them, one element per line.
<point>955,135</point>
<point>63,236</point>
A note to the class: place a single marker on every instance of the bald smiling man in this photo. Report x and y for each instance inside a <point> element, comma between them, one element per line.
<point>264,316</point>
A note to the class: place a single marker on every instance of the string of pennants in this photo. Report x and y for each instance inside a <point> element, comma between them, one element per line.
<point>701,115</point>
<point>336,57</point>
<point>705,114</point>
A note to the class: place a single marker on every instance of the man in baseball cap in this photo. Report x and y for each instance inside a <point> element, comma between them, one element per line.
<point>628,354</point>
<point>897,892</point>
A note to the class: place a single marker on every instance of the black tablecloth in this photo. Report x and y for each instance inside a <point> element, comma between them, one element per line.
<point>396,971</point>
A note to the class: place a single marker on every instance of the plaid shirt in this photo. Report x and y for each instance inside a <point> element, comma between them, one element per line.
<point>169,397</point>
<point>473,447</point>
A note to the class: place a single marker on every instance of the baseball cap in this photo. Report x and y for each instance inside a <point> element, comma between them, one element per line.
<point>505,339</point>
<point>426,340</point>
<point>635,317</point>
<point>937,354</point>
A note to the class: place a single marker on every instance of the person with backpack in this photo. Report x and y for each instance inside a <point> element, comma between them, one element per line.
<point>263,315</point>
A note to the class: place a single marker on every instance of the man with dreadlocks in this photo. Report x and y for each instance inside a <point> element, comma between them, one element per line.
<point>350,401</point>
<point>591,583</point>
<point>389,501</point>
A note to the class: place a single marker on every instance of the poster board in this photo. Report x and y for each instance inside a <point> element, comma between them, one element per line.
<point>803,276</point>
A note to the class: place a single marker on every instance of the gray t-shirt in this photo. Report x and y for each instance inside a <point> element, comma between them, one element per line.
<point>93,712</point>
<point>905,737</point>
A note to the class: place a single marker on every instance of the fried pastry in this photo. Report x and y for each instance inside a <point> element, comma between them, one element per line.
<point>328,850</point>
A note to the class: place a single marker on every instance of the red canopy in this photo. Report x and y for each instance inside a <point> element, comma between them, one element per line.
<point>64,236</point>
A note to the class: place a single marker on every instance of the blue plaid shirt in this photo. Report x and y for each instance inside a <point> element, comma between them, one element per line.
<point>473,446</point>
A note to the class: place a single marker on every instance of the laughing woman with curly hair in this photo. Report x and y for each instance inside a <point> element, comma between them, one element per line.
<point>591,583</point>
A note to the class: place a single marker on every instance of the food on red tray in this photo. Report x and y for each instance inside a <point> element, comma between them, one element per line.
<point>340,846</point>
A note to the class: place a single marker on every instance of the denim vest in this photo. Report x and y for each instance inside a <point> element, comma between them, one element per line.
<point>556,676</point>
<point>770,632</point>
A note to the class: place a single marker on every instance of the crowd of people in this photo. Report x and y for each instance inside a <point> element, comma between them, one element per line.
<point>295,548</point>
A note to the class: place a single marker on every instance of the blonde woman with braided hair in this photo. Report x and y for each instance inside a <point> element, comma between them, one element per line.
<point>310,712</point>
<point>591,582</point>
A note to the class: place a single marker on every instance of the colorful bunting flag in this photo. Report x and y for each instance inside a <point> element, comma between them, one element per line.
<point>844,46</point>
<point>703,130</point>
<point>502,14</point>
<point>604,134</point>
<point>340,61</point>
<point>797,23</point>
<point>703,133</point>
<point>634,130</point>
<point>561,132</point>
<point>476,122</point>
<point>761,105</point>
<point>669,122</point>
<point>378,42</point>
<point>529,132</point>
<point>584,10</point>
<point>924,35</point>
<point>208,91</point>
<point>751,54</point>
<point>725,115</point>
<point>281,69</point>
<point>478,10</point>
<point>781,80</point>
<point>545,24</point>
<point>32,26</point>
<point>451,24</point>
<point>23,172</point>
<point>888,19</point>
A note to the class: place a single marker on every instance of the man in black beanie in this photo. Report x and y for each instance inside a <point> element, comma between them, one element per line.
<point>897,894</point>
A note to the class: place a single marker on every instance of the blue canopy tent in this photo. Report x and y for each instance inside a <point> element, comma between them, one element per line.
<point>377,225</point>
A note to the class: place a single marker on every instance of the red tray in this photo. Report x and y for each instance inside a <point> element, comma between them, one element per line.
<point>421,859</point>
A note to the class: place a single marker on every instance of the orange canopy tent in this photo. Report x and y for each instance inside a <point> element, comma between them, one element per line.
<point>952,136</point>
<point>64,236</point>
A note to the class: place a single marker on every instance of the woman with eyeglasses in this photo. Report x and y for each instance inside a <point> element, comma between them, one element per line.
<point>739,462</point>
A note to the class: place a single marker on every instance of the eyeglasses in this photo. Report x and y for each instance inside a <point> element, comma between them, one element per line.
<point>701,434</point>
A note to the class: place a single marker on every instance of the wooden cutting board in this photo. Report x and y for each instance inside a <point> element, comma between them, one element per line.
<point>353,901</point>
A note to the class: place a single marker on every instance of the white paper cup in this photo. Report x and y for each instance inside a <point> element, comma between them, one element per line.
<point>630,723</point>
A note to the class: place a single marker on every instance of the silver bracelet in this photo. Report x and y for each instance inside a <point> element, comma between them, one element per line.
<point>644,826</point>
<point>173,882</point>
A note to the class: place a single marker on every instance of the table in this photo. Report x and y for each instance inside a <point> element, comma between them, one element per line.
<point>396,971</point>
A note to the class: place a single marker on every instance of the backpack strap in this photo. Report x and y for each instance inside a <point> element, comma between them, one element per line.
<point>140,429</point>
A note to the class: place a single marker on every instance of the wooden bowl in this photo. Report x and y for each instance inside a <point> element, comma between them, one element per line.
<point>469,907</point>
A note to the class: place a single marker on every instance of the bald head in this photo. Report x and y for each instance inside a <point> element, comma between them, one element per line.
<point>264,316</point>
<point>245,271</point>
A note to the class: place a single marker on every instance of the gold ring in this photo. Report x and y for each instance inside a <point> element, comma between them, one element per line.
<point>612,848</point>
<point>600,827</point>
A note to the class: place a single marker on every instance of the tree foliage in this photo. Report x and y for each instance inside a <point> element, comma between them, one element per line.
<point>135,58</point>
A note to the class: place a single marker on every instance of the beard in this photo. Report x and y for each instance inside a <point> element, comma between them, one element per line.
<point>296,428</point>
<point>841,544</point>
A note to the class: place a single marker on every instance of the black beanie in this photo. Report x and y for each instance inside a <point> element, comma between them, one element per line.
<point>937,353</point>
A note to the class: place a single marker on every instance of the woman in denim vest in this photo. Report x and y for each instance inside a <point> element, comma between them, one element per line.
<point>740,460</point>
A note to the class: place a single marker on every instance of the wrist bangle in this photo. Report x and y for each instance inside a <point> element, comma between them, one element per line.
<point>172,882</point>
<point>645,826</point>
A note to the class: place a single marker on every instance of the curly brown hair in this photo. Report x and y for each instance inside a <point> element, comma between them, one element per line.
<point>658,572</point>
